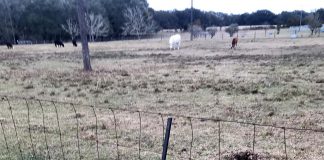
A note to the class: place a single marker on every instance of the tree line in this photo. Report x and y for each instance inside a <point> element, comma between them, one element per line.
<point>181,19</point>
<point>48,20</point>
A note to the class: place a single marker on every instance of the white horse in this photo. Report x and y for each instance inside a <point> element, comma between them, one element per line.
<point>175,41</point>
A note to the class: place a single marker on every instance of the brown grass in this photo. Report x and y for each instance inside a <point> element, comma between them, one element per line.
<point>270,81</point>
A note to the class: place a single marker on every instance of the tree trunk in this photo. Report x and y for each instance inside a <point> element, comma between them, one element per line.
<point>11,23</point>
<point>92,38</point>
<point>83,35</point>
<point>319,32</point>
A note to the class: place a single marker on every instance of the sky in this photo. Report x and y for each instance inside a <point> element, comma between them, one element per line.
<point>238,6</point>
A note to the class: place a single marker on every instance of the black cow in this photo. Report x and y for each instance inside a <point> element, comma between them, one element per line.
<point>74,43</point>
<point>9,45</point>
<point>58,43</point>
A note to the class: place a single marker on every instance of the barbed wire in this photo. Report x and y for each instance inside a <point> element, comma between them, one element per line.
<point>175,115</point>
<point>140,113</point>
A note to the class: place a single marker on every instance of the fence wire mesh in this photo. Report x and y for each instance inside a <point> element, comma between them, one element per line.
<point>46,129</point>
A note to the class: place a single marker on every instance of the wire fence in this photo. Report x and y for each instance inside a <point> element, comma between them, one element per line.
<point>45,129</point>
<point>249,35</point>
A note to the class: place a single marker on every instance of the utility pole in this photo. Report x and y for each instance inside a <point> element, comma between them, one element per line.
<point>191,20</point>
<point>300,20</point>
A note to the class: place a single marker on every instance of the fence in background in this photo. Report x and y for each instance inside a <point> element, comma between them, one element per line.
<point>25,137</point>
<point>252,35</point>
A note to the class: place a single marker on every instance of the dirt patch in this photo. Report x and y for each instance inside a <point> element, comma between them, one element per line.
<point>247,155</point>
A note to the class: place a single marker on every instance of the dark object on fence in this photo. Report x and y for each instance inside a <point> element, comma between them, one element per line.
<point>166,139</point>
<point>74,43</point>
<point>9,45</point>
<point>247,155</point>
<point>58,43</point>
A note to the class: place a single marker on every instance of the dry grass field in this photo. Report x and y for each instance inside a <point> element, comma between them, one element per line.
<point>275,81</point>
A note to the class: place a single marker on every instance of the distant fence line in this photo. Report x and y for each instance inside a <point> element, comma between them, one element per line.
<point>217,121</point>
<point>220,35</point>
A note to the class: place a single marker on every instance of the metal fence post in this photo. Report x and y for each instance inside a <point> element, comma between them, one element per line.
<point>166,139</point>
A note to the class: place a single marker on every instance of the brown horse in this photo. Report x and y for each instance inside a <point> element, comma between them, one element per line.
<point>234,43</point>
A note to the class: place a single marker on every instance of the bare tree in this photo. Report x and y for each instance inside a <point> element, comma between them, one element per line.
<point>138,22</point>
<point>314,23</point>
<point>212,31</point>
<point>97,26</point>
<point>196,30</point>
<point>233,28</point>
<point>83,34</point>
<point>71,28</point>
<point>151,25</point>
